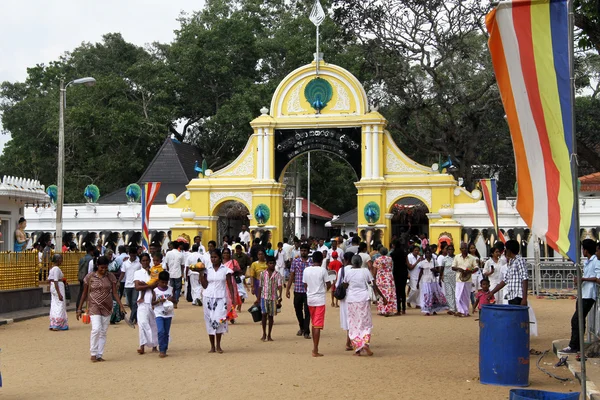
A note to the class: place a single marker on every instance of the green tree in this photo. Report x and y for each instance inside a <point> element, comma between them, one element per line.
<point>434,81</point>
<point>112,130</point>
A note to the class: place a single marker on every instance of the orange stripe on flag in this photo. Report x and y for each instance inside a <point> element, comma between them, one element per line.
<point>525,198</point>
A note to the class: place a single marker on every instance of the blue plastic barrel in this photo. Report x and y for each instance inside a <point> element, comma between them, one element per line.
<point>504,345</point>
<point>524,394</point>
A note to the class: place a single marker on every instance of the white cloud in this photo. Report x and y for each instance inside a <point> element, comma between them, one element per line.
<point>39,31</point>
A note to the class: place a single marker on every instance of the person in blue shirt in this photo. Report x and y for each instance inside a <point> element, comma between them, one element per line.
<point>589,291</point>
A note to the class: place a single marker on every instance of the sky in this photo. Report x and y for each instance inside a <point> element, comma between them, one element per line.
<point>39,31</point>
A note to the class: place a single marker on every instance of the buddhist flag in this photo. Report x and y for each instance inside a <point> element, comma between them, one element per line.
<point>490,196</point>
<point>149,192</point>
<point>529,44</point>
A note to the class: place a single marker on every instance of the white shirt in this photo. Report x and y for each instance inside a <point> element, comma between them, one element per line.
<point>91,266</point>
<point>129,267</point>
<point>121,258</point>
<point>496,277</point>
<point>159,309</point>
<point>192,258</point>
<point>206,260</point>
<point>143,276</point>
<point>316,279</point>
<point>279,260</point>
<point>440,260</point>
<point>173,262</point>
<point>357,280</point>
<point>287,251</point>
<point>591,269</point>
<point>366,258</point>
<point>413,273</point>
<point>217,286</point>
<point>244,237</point>
<point>427,268</point>
<point>352,249</point>
<point>339,251</point>
<point>295,253</point>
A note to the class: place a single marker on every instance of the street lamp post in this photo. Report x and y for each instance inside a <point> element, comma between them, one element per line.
<point>88,81</point>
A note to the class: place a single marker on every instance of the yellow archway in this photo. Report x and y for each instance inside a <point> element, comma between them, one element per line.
<point>342,124</point>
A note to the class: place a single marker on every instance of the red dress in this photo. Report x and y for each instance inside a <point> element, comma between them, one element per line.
<point>233,299</point>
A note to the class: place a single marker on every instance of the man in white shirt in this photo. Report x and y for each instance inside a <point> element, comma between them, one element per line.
<point>245,235</point>
<point>121,258</point>
<point>148,332</point>
<point>198,241</point>
<point>280,259</point>
<point>193,276</point>
<point>353,247</point>
<point>175,264</point>
<point>334,247</point>
<point>316,282</point>
<point>128,269</point>
<point>589,292</point>
<point>413,259</point>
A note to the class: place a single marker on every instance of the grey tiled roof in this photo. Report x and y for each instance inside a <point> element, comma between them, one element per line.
<point>173,166</point>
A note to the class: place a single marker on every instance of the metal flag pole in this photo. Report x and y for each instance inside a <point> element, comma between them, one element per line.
<point>574,173</point>
<point>308,200</point>
<point>317,16</point>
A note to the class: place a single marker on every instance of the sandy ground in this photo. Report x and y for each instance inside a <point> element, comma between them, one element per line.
<point>416,357</point>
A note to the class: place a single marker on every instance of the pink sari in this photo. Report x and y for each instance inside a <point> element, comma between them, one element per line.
<point>233,299</point>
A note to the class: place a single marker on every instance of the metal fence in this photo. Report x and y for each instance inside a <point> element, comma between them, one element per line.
<point>25,270</point>
<point>551,276</point>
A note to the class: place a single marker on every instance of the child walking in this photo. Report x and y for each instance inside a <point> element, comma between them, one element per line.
<point>335,265</point>
<point>271,289</point>
<point>481,297</point>
<point>163,309</point>
<point>316,281</point>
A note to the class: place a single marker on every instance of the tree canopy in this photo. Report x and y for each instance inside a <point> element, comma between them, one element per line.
<point>425,64</point>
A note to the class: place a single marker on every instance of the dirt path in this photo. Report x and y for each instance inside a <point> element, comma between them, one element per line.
<point>416,357</point>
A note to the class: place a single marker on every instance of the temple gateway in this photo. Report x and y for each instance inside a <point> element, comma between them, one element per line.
<point>312,110</point>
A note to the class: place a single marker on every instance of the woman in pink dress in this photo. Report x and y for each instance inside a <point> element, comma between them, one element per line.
<point>233,299</point>
<point>385,282</point>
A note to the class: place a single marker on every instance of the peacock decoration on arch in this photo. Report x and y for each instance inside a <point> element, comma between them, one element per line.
<point>52,192</point>
<point>201,170</point>
<point>262,214</point>
<point>91,193</point>
<point>133,193</point>
<point>372,212</point>
<point>318,93</point>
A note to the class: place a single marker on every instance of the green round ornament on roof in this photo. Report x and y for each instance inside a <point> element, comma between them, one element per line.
<point>91,193</point>
<point>318,93</point>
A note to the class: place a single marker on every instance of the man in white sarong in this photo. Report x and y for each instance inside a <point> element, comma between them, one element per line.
<point>464,265</point>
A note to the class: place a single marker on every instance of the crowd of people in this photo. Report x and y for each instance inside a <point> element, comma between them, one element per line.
<point>220,278</point>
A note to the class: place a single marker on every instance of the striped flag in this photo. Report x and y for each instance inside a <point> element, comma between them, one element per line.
<point>529,44</point>
<point>490,196</point>
<point>149,192</point>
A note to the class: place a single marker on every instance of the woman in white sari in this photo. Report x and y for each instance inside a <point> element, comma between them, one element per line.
<point>215,282</point>
<point>343,304</point>
<point>58,306</point>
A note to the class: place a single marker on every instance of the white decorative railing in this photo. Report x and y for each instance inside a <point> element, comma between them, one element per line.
<point>23,189</point>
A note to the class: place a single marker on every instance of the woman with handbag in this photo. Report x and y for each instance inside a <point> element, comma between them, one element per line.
<point>99,290</point>
<point>58,306</point>
<point>233,297</point>
<point>357,280</point>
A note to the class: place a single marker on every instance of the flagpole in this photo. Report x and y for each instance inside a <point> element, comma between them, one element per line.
<point>317,55</point>
<point>574,173</point>
<point>308,201</point>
